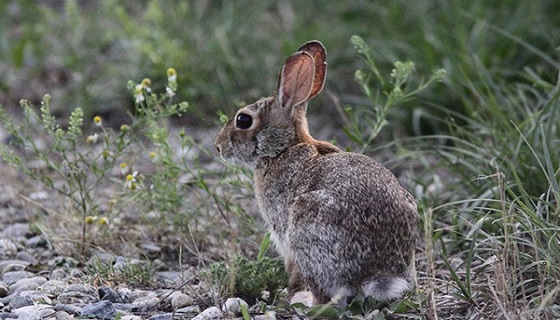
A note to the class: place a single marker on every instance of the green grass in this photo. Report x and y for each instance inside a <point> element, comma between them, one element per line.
<point>480,149</point>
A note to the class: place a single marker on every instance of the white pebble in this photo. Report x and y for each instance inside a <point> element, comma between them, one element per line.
<point>233,305</point>
<point>210,313</point>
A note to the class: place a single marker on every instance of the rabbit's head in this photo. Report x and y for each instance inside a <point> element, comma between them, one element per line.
<point>271,125</point>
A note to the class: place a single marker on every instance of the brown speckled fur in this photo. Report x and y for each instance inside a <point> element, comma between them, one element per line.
<point>340,220</point>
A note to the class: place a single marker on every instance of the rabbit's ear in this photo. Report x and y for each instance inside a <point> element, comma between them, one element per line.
<point>319,54</point>
<point>296,80</point>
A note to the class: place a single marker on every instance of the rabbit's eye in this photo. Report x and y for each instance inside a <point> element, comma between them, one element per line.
<point>243,121</point>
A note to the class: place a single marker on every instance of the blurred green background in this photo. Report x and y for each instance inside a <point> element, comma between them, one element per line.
<point>229,52</point>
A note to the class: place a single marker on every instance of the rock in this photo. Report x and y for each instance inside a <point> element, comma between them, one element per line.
<point>78,293</point>
<point>164,316</point>
<point>126,307</point>
<point>36,242</point>
<point>109,294</point>
<point>102,310</point>
<point>62,262</point>
<point>70,308</point>
<point>16,230</point>
<point>58,274</point>
<point>31,283</point>
<point>174,278</point>
<point>151,250</point>
<point>11,277</point>
<point>53,288</point>
<point>63,315</point>
<point>4,291</point>
<point>127,295</point>
<point>268,315</point>
<point>37,311</point>
<point>7,247</point>
<point>77,273</point>
<point>130,317</point>
<point>8,315</point>
<point>26,298</point>
<point>189,311</point>
<point>233,305</point>
<point>210,313</point>
<point>12,265</point>
<point>27,257</point>
<point>146,303</point>
<point>181,300</point>
<point>303,297</point>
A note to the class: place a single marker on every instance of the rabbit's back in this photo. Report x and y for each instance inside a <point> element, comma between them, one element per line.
<point>343,216</point>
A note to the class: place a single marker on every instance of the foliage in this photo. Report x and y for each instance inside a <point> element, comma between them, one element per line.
<point>366,123</point>
<point>247,278</point>
<point>81,167</point>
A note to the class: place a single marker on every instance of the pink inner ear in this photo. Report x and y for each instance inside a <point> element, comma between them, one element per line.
<point>296,79</point>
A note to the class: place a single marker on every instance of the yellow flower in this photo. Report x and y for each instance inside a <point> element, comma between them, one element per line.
<point>124,168</point>
<point>125,128</point>
<point>130,180</point>
<point>103,221</point>
<point>106,154</point>
<point>138,93</point>
<point>98,121</point>
<point>152,155</point>
<point>171,75</point>
<point>92,138</point>
<point>90,219</point>
<point>146,83</point>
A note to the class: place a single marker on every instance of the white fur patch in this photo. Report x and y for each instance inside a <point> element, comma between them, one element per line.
<point>386,289</point>
<point>303,297</point>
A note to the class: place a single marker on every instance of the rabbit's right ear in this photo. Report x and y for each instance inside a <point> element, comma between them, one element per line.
<point>296,79</point>
<point>319,54</point>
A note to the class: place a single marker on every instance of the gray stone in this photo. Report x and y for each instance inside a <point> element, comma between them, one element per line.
<point>12,265</point>
<point>37,311</point>
<point>26,256</point>
<point>128,296</point>
<point>4,291</point>
<point>36,242</point>
<point>63,315</point>
<point>78,293</point>
<point>58,274</point>
<point>189,311</point>
<point>53,288</point>
<point>31,283</point>
<point>131,317</point>
<point>11,277</point>
<point>70,308</point>
<point>8,315</point>
<point>172,278</point>
<point>8,247</point>
<point>16,230</point>
<point>210,313</point>
<point>126,307</point>
<point>181,300</point>
<point>102,310</point>
<point>66,262</point>
<point>26,298</point>
<point>146,303</point>
<point>108,293</point>
<point>164,316</point>
<point>151,250</point>
<point>233,305</point>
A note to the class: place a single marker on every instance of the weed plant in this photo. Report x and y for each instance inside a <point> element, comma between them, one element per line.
<point>96,176</point>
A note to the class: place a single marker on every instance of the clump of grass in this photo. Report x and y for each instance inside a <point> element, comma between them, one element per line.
<point>247,278</point>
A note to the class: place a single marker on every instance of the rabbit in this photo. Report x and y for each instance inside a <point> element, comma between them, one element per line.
<point>341,221</point>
